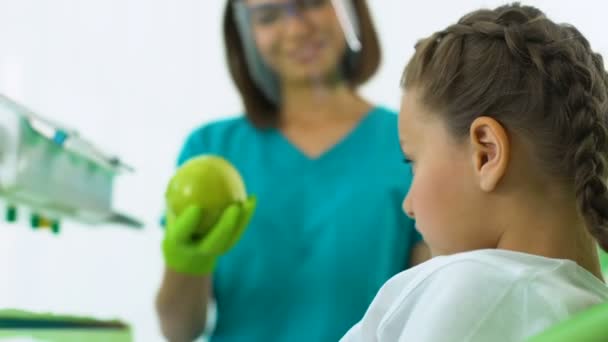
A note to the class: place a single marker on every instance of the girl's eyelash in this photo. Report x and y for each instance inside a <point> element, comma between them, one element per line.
<point>407,161</point>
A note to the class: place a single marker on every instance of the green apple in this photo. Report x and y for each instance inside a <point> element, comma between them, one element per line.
<point>208,181</point>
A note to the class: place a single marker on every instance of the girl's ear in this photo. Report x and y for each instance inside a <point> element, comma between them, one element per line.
<point>490,148</point>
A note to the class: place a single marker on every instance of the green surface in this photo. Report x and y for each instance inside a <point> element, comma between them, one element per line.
<point>23,325</point>
<point>66,335</point>
<point>20,314</point>
<point>588,326</point>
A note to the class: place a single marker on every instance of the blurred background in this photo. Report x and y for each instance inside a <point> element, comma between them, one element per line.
<point>135,76</point>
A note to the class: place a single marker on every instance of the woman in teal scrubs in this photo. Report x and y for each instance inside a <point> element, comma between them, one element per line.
<point>327,171</point>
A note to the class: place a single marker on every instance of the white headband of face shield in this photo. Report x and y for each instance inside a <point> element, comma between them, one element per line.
<point>264,78</point>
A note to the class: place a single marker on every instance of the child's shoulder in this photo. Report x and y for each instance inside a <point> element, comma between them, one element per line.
<point>472,293</point>
<point>463,272</point>
<point>463,295</point>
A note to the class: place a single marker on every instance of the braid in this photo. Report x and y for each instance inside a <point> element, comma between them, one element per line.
<point>590,172</point>
<point>536,77</point>
<point>576,77</point>
<point>586,106</point>
<point>522,35</point>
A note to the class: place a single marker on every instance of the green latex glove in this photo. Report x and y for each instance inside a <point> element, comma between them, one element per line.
<point>184,253</point>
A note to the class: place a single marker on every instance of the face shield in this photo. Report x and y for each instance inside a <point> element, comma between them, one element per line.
<point>261,21</point>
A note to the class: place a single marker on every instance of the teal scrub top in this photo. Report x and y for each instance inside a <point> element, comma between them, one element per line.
<point>326,234</point>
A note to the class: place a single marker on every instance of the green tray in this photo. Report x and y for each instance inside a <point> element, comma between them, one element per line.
<point>50,327</point>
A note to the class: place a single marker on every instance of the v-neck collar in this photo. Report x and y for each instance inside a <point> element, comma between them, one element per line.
<point>344,140</point>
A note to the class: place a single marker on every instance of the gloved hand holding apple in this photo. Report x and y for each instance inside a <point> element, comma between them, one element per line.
<point>207,212</point>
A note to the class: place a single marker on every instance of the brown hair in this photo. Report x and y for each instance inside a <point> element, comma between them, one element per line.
<point>261,111</point>
<point>539,79</point>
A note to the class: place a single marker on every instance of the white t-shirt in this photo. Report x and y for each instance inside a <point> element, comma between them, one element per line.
<point>484,295</point>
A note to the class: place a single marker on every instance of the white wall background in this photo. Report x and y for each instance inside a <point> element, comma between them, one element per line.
<point>135,76</point>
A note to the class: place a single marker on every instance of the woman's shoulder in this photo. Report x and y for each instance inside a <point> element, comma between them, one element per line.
<point>218,131</point>
<point>384,114</point>
<point>219,127</point>
<point>215,136</point>
<point>384,110</point>
<point>380,131</point>
<point>382,120</point>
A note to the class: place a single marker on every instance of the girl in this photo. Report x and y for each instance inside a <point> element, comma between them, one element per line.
<point>504,120</point>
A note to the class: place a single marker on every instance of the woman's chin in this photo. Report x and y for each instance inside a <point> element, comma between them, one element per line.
<point>307,73</point>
